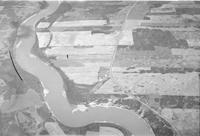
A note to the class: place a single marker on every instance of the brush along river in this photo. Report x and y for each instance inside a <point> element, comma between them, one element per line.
<point>54,85</point>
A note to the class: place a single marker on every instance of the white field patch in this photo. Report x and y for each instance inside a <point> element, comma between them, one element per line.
<point>126,38</point>
<point>91,133</point>
<point>43,25</point>
<point>80,23</point>
<point>132,24</point>
<point>94,50</point>
<point>43,38</point>
<point>87,74</point>
<point>85,38</point>
<point>163,84</point>
<point>82,64</point>
<point>110,131</point>
<point>193,42</point>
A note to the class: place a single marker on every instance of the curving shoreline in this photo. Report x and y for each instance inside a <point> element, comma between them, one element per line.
<point>54,85</point>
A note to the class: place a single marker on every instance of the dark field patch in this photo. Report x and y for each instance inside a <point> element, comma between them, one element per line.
<point>190,11</point>
<point>147,39</point>
<point>165,70</point>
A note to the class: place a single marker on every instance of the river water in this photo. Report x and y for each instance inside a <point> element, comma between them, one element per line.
<point>53,84</point>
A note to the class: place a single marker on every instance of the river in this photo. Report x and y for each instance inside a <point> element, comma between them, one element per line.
<point>53,84</point>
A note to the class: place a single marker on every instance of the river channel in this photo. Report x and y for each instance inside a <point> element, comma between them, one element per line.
<point>53,84</point>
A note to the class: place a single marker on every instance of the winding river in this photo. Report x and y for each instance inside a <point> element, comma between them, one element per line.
<point>53,83</point>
